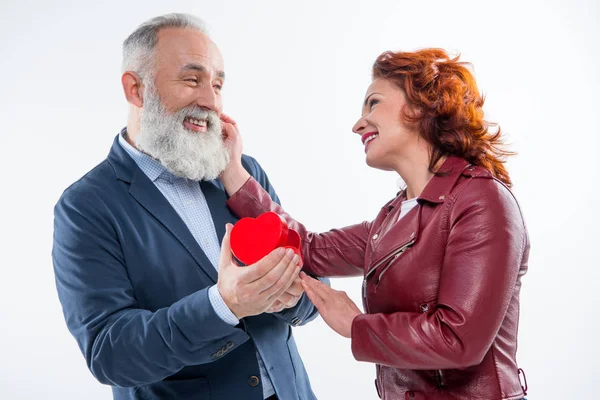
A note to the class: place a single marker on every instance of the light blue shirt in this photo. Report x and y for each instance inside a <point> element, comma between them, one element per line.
<point>186,197</point>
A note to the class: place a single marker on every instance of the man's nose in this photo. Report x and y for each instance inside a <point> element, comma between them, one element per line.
<point>207,99</point>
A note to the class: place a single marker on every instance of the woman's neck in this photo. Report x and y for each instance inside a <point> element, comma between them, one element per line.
<point>414,171</point>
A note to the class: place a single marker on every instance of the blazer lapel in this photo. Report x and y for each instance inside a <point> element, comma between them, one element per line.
<point>216,198</point>
<point>149,197</point>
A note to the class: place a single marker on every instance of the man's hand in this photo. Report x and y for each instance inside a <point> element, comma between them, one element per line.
<point>253,289</point>
<point>289,298</point>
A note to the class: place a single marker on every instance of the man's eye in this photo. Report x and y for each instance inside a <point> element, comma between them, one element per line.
<point>218,87</point>
<point>192,80</point>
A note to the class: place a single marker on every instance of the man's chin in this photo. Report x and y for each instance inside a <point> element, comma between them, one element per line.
<point>202,172</point>
<point>191,155</point>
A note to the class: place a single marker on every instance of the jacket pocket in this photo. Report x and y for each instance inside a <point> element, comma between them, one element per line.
<point>392,260</point>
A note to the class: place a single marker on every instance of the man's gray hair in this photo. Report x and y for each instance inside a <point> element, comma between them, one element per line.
<point>138,48</point>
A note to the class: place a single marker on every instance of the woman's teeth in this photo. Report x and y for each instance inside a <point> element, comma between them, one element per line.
<point>370,138</point>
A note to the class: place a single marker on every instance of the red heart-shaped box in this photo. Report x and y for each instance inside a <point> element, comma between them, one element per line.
<point>252,239</point>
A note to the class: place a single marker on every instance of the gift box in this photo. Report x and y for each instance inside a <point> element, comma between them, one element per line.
<point>254,238</point>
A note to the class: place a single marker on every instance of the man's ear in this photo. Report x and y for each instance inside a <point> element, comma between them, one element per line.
<point>133,88</point>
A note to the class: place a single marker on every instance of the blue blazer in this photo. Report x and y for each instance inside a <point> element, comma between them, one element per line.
<point>133,283</point>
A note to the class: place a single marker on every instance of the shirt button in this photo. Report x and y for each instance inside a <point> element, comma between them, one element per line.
<point>375,236</point>
<point>253,381</point>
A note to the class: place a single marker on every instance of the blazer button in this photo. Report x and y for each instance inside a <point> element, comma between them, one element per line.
<point>229,345</point>
<point>253,381</point>
<point>296,321</point>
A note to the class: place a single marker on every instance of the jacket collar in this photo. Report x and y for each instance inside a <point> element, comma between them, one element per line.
<point>441,184</point>
<point>123,165</point>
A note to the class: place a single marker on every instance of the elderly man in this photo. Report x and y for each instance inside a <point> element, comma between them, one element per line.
<point>159,309</point>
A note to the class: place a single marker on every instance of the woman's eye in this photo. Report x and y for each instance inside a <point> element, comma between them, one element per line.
<point>373,102</point>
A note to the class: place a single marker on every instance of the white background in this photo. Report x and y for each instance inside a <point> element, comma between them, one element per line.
<point>297,73</point>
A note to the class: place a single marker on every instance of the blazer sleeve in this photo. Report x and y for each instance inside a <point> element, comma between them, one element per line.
<point>339,252</point>
<point>486,247</point>
<point>123,344</point>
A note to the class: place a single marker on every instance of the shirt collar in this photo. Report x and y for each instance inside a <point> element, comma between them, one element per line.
<point>150,166</point>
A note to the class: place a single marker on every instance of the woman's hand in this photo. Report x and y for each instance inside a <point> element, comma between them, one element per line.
<point>235,175</point>
<point>232,139</point>
<point>335,307</point>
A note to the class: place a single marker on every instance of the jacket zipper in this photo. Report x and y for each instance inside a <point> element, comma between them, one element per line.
<point>439,373</point>
<point>365,294</point>
<point>386,258</point>
<point>440,377</point>
<point>391,254</point>
<point>395,257</point>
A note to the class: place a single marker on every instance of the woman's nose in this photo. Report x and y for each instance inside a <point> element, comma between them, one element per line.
<point>359,126</point>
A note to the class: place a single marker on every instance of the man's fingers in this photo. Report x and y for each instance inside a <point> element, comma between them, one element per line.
<point>275,291</point>
<point>289,281</point>
<point>293,277</point>
<point>276,307</point>
<point>226,257</point>
<point>285,281</point>
<point>271,277</point>
<point>260,268</point>
<point>288,300</point>
<point>296,287</point>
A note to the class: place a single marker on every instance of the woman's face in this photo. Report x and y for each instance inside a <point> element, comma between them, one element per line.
<point>384,134</point>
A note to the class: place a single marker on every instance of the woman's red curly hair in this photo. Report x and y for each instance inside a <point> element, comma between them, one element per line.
<point>446,107</point>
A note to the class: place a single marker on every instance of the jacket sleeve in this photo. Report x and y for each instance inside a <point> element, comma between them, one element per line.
<point>486,244</point>
<point>304,311</point>
<point>339,252</point>
<point>123,344</point>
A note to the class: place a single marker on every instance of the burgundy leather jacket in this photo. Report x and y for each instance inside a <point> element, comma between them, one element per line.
<point>441,286</point>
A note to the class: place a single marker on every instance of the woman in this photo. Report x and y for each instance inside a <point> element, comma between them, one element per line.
<point>442,262</point>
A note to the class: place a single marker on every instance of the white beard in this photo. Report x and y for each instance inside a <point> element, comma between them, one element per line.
<point>192,155</point>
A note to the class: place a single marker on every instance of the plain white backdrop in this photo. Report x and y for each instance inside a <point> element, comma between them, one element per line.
<point>296,75</point>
